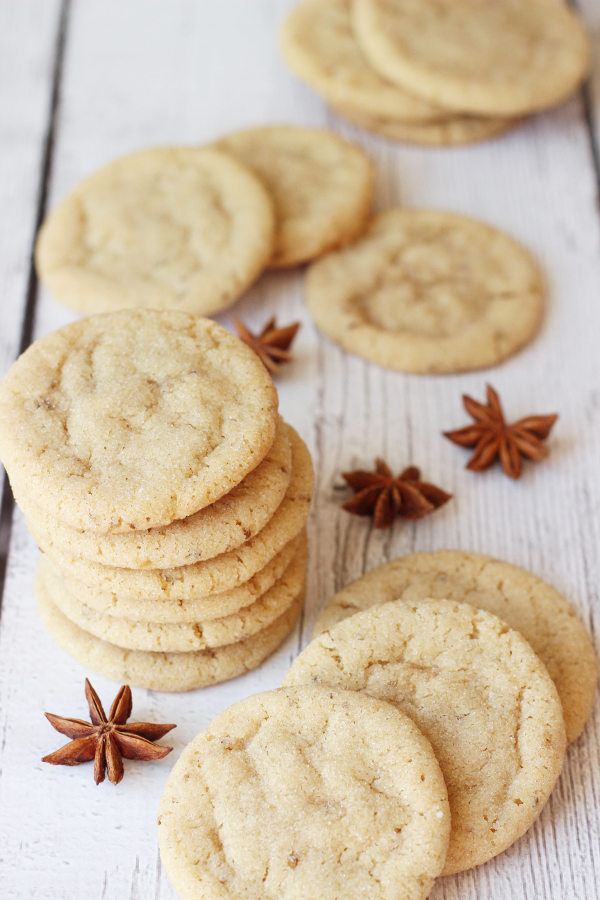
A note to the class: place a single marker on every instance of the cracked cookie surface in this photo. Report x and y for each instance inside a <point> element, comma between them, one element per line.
<point>505,58</point>
<point>305,792</point>
<point>131,420</point>
<point>321,185</point>
<point>182,228</point>
<point>427,291</point>
<point>182,637</point>
<point>476,690</point>
<point>522,600</point>
<point>225,524</point>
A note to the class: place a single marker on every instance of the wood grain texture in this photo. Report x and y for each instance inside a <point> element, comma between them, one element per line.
<point>141,74</point>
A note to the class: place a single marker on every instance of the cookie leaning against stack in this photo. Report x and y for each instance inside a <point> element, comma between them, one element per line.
<point>146,450</point>
<point>449,72</point>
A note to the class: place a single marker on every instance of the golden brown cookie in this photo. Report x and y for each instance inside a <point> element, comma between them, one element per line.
<point>305,793</point>
<point>322,187</point>
<point>476,690</point>
<point>500,58</point>
<point>184,228</point>
<point>133,419</point>
<point>427,291</point>
<point>522,600</point>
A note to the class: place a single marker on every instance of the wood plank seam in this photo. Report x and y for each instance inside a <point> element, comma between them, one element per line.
<point>31,294</point>
<point>589,117</point>
<point>590,123</point>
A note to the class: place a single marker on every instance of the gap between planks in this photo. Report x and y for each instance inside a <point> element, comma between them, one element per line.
<point>31,292</point>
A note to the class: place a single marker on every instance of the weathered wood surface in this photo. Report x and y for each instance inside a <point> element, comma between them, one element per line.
<point>130,75</point>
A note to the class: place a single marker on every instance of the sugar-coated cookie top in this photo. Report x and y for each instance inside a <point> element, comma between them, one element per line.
<point>305,792</point>
<point>489,57</point>
<point>319,44</point>
<point>321,185</point>
<point>134,419</point>
<point>185,228</point>
<point>521,599</point>
<point>476,690</point>
<point>428,291</point>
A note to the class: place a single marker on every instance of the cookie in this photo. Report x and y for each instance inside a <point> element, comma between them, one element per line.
<point>322,187</point>
<point>505,58</point>
<point>476,690</point>
<point>427,291</point>
<point>181,228</point>
<point>224,572</point>
<point>524,602</point>
<point>134,419</point>
<point>318,43</point>
<point>183,637</point>
<point>305,793</point>
<point>213,530</point>
<point>166,611</point>
<point>164,671</point>
<point>449,132</point>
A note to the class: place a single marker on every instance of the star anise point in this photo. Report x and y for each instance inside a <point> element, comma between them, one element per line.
<point>271,344</point>
<point>107,740</point>
<point>384,497</point>
<point>493,438</point>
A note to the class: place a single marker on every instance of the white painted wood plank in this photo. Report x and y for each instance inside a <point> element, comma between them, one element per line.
<point>186,71</point>
<point>27,38</point>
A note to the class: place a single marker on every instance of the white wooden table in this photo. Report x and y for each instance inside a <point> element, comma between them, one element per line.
<point>87,80</point>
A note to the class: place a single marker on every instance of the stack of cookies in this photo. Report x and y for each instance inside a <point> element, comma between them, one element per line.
<point>167,495</point>
<point>419,734</point>
<point>190,228</point>
<point>442,72</point>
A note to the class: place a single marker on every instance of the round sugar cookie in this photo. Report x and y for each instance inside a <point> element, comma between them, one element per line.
<point>180,637</point>
<point>164,671</point>
<point>215,529</point>
<point>167,611</point>
<point>449,132</point>
<point>322,187</point>
<point>501,58</point>
<point>318,43</point>
<point>427,291</point>
<point>523,601</point>
<point>183,228</point>
<point>131,420</point>
<point>212,576</point>
<point>305,792</point>
<point>476,690</point>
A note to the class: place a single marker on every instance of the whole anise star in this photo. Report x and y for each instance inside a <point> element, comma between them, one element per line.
<point>271,344</point>
<point>107,740</point>
<point>492,437</point>
<point>380,495</point>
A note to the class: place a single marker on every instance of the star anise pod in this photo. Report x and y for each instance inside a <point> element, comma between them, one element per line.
<point>380,495</point>
<point>107,740</point>
<point>271,344</point>
<point>494,438</point>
